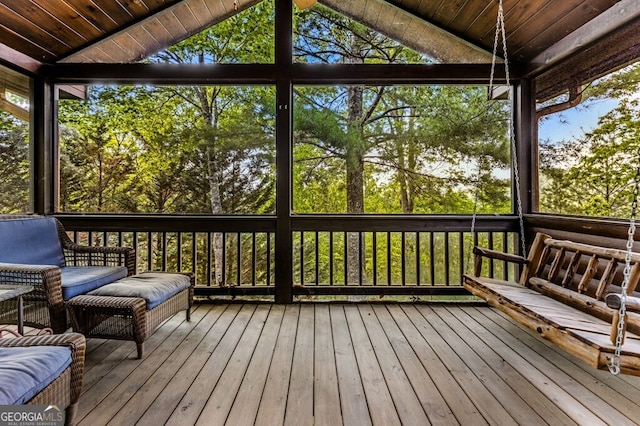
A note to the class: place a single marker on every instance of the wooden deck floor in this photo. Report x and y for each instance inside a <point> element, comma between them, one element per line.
<point>348,364</point>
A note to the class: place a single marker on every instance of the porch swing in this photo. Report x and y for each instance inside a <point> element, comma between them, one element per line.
<point>580,297</point>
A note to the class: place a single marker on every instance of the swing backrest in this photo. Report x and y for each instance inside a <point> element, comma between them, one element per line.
<point>586,269</point>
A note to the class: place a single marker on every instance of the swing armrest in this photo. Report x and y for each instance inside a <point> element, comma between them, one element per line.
<point>614,300</point>
<point>481,253</point>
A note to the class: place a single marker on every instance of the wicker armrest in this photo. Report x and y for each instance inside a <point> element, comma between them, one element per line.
<point>75,341</point>
<point>76,254</point>
<point>47,283</point>
<point>481,253</point>
<point>45,278</point>
<point>23,269</point>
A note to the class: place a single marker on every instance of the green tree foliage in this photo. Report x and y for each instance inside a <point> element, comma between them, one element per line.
<point>177,149</point>
<point>619,85</point>
<point>595,176</point>
<point>405,147</point>
<point>211,149</point>
<point>14,165</point>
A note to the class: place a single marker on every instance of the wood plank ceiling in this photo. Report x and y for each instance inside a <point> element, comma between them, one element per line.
<point>121,31</point>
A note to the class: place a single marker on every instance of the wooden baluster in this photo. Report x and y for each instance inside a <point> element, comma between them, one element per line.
<point>571,269</point>
<point>634,276</point>
<point>606,279</point>
<point>543,261</point>
<point>592,267</point>
<point>556,265</point>
<point>536,257</point>
<point>614,328</point>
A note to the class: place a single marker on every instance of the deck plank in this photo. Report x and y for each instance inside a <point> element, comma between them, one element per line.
<point>138,404</point>
<point>524,378</point>
<point>247,402</point>
<point>349,364</point>
<point>120,394</point>
<point>589,387</point>
<point>352,396</point>
<point>115,369</point>
<point>198,394</point>
<point>274,398</point>
<point>168,400</point>
<point>300,406</point>
<point>435,406</point>
<point>221,400</point>
<point>378,396</point>
<point>462,407</point>
<point>474,388</point>
<point>584,406</point>
<point>406,401</point>
<point>484,369</point>
<point>326,398</point>
<point>526,404</point>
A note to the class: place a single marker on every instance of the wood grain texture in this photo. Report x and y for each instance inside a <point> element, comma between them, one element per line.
<point>532,25</point>
<point>357,364</point>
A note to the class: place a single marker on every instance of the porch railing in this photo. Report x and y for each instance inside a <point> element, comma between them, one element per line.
<point>392,255</point>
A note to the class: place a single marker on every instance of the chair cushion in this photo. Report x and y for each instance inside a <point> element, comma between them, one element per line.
<point>31,241</point>
<point>153,287</point>
<point>78,280</point>
<point>24,372</point>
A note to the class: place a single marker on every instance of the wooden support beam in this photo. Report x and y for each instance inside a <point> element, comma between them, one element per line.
<point>603,57</point>
<point>284,155</point>
<point>13,109</point>
<point>411,30</point>
<point>19,61</point>
<point>42,142</point>
<point>269,73</point>
<point>617,16</point>
<point>526,132</point>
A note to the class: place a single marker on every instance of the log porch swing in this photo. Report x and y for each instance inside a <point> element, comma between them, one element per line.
<point>580,297</point>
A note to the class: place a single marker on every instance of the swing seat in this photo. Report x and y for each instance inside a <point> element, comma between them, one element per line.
<point>561,296</point>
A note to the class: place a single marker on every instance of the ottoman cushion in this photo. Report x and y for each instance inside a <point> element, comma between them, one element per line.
<point>25,371</point>
<point>153,287</point>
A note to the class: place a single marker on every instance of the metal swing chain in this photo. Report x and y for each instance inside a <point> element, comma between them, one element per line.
<point>512,136</point>
<point>500,31</point>
<point>614,367</point>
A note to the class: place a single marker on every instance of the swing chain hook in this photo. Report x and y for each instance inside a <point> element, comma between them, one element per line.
<point>614,366</point>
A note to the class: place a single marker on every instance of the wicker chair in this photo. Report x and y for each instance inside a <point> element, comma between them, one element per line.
<point>44,307</point>
<point>63,391</point>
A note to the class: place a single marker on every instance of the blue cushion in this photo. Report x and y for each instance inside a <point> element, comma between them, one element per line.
<point>78,280</point>
<point>26,371</point>
<point>154,287</point>
<point>32,241</point>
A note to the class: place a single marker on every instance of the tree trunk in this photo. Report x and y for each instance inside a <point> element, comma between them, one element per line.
<point>354,159</point>
<point>210,117</point>
<point>412,155</point>
<point>216,208</point>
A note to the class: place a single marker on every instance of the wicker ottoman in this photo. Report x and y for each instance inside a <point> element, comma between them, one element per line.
<point>120,310</point>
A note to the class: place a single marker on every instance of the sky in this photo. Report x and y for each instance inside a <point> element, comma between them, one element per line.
<point>575,122</point>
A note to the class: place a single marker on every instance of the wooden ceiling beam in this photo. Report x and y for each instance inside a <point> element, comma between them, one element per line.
<point>410,29</point>
<point>76,53</point>
<point>19,61</point>
<point>609,21</point>
<point>126,45</point>
<point>605,56</point>
<point>219,74</point>
<point>11,108</point>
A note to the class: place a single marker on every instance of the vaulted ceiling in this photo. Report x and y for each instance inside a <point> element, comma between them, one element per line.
<point>541,33</point>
